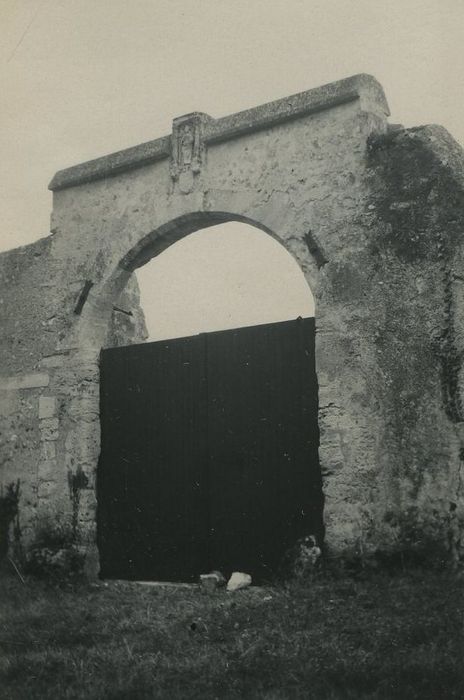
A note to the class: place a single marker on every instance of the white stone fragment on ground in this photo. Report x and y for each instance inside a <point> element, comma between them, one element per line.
<point>209,582</point>
<point>221,579</point>
<point>238,580</point>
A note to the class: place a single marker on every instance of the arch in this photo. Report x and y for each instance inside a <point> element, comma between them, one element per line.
<point>226,276</point>
<point>173,231</point>
<point>93,325</point>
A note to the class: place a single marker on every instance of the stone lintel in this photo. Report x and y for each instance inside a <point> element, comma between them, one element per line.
<point>363,87</point>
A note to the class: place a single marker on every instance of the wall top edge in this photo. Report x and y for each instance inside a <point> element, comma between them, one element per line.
<point>361,87</point>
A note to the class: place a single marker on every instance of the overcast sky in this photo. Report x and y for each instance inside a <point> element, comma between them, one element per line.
<point>81,78</point>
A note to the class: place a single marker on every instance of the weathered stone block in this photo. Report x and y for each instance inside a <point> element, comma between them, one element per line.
<point>87,505</point>
<point>52,361</point>
<point>25,381</point>
<point>47,406</point>
<point>47,470</point>
<point>49,429</point>
<point>46,489</point>
<point>48,450</point>
<point>9,402</point>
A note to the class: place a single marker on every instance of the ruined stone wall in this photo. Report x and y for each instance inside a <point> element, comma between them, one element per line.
<point>418,206</point>
<point>35,393</point>
<point>405,285</point>
<point>373,215</point>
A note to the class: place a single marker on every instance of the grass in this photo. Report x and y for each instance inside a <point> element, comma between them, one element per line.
<point>397,635</point>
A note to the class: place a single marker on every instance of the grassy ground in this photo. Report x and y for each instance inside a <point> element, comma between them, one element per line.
<point>380,636</point>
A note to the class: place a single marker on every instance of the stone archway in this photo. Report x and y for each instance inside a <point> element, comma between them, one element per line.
<point>265,168</point>
<point>366,211</point>
<point>93,331</point>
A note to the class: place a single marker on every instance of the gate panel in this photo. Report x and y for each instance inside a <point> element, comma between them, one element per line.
<point>153,518</point>
<point>262,424</point>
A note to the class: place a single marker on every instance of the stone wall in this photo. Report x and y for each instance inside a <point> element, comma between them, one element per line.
<point>371,213</point>
<point>418,204</point>
<point>37,389</point>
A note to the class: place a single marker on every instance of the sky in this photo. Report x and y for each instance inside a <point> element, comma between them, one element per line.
<point>82,78</point>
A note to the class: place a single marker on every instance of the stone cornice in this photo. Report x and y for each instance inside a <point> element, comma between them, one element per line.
<point>361,87</point>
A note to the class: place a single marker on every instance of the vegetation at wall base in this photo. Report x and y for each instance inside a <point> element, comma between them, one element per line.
<point>55,555</point>
<point>9,498</point>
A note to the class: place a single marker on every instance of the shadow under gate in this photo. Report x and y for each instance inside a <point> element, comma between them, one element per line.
<point>209,453</point>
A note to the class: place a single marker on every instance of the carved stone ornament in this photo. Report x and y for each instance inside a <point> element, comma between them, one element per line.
<point>188,150</point>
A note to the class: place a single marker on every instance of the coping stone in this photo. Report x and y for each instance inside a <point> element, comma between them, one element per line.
<point>361,87</point>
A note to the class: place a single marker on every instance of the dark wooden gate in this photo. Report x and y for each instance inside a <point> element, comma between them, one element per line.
<point>209,453</point>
